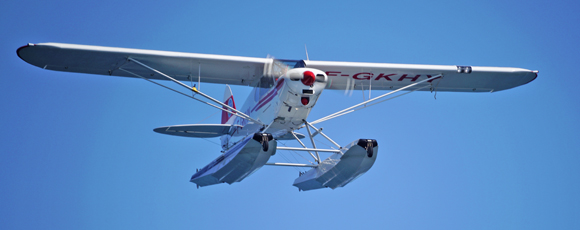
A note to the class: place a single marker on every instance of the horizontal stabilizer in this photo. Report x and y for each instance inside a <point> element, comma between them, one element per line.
<point>197,130</point>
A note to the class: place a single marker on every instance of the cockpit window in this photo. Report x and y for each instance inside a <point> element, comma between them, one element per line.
<point>265,84</point>
<point>272,71</point>
<point>292,63</point>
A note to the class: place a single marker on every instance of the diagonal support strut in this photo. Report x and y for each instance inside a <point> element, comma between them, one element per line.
<point>237,112</point>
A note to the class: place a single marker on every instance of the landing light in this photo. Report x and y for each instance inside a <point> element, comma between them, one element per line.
<point>305,100</point>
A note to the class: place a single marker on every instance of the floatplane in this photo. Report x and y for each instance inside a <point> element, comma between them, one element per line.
<point>284,93</point>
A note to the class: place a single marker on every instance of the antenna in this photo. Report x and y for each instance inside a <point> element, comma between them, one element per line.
<point>306,49</point>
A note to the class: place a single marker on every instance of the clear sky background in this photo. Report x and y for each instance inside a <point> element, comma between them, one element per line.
<point>78,151</point>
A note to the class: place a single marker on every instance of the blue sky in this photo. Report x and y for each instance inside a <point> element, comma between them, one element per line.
<point>78,151</point>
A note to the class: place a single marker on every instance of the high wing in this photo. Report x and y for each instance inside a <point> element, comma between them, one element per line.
<point>383,76</point>
<point>210,68</point>
<point>237,70</point>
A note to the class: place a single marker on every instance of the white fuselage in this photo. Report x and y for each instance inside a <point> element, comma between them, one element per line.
<point>284,106</point>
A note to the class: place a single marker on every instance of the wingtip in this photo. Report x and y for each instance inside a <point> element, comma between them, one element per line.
<point>22,47</point>
<point>535,72</point>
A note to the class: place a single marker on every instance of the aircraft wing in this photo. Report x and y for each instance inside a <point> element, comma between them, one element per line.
<point>236,70</point>
<point>383,76</point>
<point>210,68</point>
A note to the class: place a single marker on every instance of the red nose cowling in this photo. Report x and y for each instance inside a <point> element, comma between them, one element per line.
<point>308,78</point>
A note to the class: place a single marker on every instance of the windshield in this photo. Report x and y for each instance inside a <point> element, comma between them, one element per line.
<point>272,72</point>
<point>279,67</point>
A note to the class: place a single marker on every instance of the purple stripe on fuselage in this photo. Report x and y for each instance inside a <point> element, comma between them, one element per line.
<point>269,96</point>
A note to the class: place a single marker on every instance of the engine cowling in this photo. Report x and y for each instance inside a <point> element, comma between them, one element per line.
<point>306,84</point>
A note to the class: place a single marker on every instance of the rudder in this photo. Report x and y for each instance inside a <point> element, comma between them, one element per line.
<point>227,118</point>
<point>228,100</point>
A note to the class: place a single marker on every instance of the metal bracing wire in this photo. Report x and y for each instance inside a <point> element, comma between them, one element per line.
<point>303,145</point>
<point>296,153</point>
<point>324,135</point>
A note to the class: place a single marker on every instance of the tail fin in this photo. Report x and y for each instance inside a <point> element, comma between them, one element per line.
<point>228,100</point>
<point>227,118</point>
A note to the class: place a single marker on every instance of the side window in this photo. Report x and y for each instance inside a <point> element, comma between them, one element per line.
<point>257,94</point>
<point>263,87</point>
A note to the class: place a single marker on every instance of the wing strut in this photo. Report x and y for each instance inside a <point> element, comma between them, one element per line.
<point>356,107</point>
<point>236,112</point>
